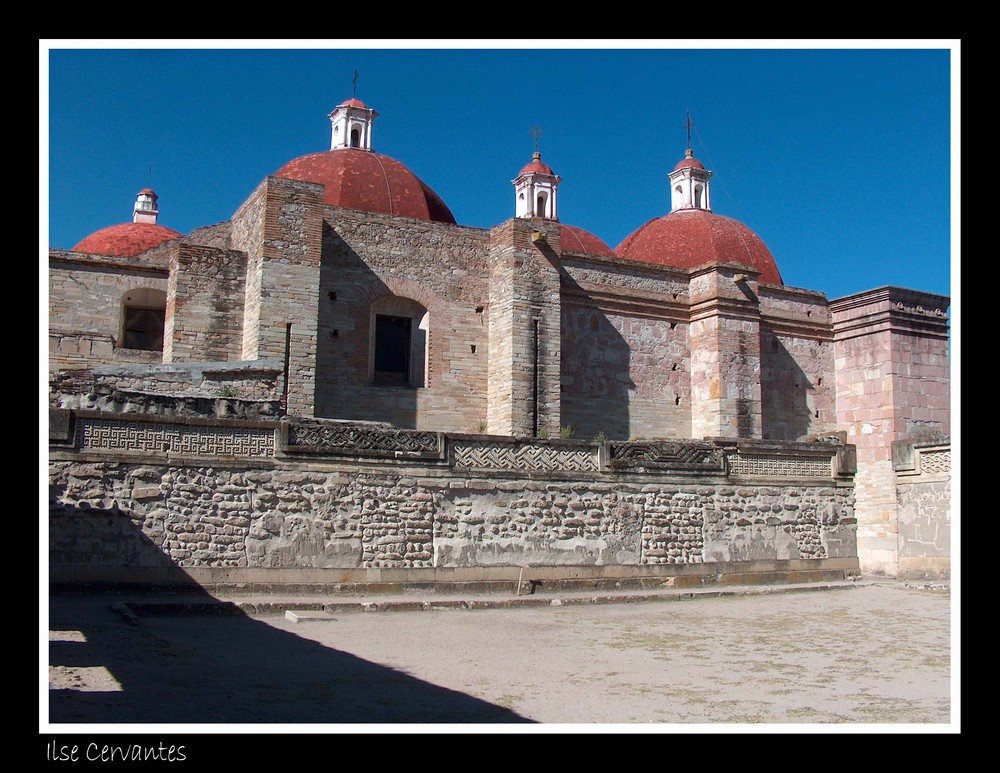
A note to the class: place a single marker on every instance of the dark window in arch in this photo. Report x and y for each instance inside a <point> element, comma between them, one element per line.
<point>540,207</point>
<point>143,329</point>
<point>392,350</point>
<point>355,138</point>
<point>143,310</point>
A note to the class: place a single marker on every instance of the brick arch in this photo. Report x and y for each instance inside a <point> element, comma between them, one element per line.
<point>376,289</point>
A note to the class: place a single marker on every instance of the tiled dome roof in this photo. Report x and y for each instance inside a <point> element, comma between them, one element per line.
<point>537,166</point>
<point>689,238</point>
<point>362,179</point>
<point>126,240</point>
<point>575,239</point>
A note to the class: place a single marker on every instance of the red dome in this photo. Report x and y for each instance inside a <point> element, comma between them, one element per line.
<point>353,102</point>
<point>575,239</point>
<point>684,163</point>
<point>537,167</point>
<point>690,237</point>
<point>361,179</point>
<point>126,240</point>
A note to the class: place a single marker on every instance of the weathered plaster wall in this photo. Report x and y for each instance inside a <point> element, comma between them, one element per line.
<point>923,492</point>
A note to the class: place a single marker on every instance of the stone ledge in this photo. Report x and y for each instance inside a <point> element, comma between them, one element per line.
<point>479,581</point>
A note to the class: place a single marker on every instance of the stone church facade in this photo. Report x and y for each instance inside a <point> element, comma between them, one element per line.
<point>343,310</point>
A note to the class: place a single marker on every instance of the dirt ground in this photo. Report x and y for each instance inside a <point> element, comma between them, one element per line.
<point>872,654</point>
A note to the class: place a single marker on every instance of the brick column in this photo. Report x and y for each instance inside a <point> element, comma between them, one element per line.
<point>525,329</point>
<point>891,351</point>
<point>281,228</point>
<point>204,312</point>
<point>725,353</point>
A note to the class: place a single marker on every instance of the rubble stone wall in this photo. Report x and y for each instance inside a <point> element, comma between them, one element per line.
<point>331,495</point>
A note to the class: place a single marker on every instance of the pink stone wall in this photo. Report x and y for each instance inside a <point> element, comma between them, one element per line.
<point>625,351</point>
<point>725,377</point>
<point>247,235</point>
<point>864,393</point>
<point>920,369</point>
<point>892,385</point>
<point>282,235</point>
<point>798,387</point>
<point>624,375</point>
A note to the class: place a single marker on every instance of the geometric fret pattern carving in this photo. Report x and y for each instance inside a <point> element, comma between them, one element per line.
<point>779,466</point>
<point>356,440</point>
<point>523,456</point>
<point>696,455</point>
<point>156,437</point>
<point>936,462</point>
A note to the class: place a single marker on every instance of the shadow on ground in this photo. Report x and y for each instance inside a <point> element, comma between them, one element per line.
<point>198,668</point>
<point>107,667</point>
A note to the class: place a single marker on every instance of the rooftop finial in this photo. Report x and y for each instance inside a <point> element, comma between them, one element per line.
<point>688,124</point>
<point>355,81</point>
<point>536,133</point>
<point>145,209</point>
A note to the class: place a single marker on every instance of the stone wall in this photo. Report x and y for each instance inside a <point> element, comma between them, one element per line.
<point>289,285</point>
<point>923,492</point>
<point>85,307</point>
<point>798,387</point>
<point>234,495</point>
<point>625,358</point>
<point>368,261</point>
<point>624,374</point>
<point>725,340</point>
<point>199,389</point>
<point>525,329</point>
<point>891,355</point>
<point>205,296</point>
<point>247,235</point>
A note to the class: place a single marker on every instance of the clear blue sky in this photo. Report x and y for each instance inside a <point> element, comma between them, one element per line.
<point>842,160</point>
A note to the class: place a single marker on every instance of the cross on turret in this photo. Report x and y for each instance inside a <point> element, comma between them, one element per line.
<point>535,186</point>
<point>351,123</point>
<point>536,133</point>
<point>689,179</point>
